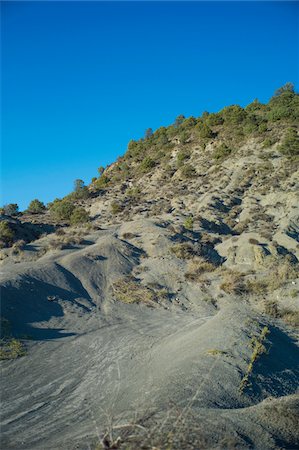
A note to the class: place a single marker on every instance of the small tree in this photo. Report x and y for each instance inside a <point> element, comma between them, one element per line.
<point>80,190</point>
<point>11,209</point>
<point>101,170</point>
<point>288,87</point>
<point>36,207</point>
<point>179,120</point>
<point>6,234</point>
<point>148,133</point>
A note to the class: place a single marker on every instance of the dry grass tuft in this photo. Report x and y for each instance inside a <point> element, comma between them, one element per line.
<point>183,250</point>
<point>197,267</point>
<point>233,282</point>
<point>129,290</point>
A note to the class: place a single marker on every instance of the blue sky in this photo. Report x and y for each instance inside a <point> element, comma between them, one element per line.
<point>80,79</point>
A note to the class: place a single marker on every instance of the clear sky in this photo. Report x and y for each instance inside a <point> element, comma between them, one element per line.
<point>80,79</point>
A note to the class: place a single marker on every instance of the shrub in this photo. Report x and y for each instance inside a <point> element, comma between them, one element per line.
<point>232,283</point>
<point>36,207</point>
<point>258,348</point>
<point>284,105</point>
<point>267,143</point>
<point>62,209</point>
<point>188,171</point>
<point>189,223</point>
<point>182,156</point>
<point>79,215</point>
<point>6,234</point>
<point>116,207</point>
<point>11,349</point>
<point>18,247</point>
<point>101,170</point>
<point>183,250</point>
<point>256,105</point>
<point>214,119</point>
<point>233,114</point>
<point>184,136</point>
<point>11,209</point>
<point>290,143</point>
<point>205,132</point>
<point>197,267</point>
<point>222,152</point>
<point>129,290</point>
<point>147,164</point>
<point>102,182</point>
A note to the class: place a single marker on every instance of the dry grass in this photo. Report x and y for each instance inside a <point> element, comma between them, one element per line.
<point>290,317</point>
<point>258,348</point>
<point>183,250</point>
<point>129,290</point>
<point>197,267</point>
<point>233,282</point>
<point>64,240</point>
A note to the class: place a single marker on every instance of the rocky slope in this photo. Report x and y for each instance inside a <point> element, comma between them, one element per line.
<point>169,321</point>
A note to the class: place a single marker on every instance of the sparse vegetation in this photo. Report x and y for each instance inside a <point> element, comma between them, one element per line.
<point>116,207</point>
<point>10,347</point>
<point>222,152</point>
<point>188,224</point>
<point>62,210</point>
<point>233,282</point>
<point>197,267</point>
<point>79,216</point>
<point>130,290</point>
<point>36,207</point>
<point>188,171</point>
<point>290,143</point>
<point>258,348</point>
<point>6,234</point>
<point>183,250</point>
<point>12,209</point>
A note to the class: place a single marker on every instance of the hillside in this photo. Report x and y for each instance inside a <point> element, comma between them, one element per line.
<point>158,307</point>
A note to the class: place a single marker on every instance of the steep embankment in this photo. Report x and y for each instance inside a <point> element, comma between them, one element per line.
<point>169,320</point>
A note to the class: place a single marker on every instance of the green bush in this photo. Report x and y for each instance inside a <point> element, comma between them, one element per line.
<point>205,131</point>
<point>36,207</point>
<point>188,224</point>
<point>11,209</point>
<point>6,234</point>
<point>79,215</point>
<point>184,136</point>
<point>222,152</point>
<point>62,209</point>
<point>214,119</point>
<point>182,156</point>
<point>147,164</point>
<point>284,104</point>
<point>290,143</point>
<point>233,114</point>
<point>11,349</point>
<point>102,182</point>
